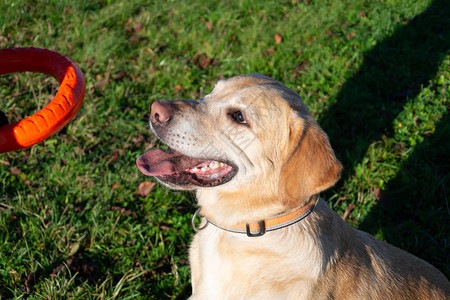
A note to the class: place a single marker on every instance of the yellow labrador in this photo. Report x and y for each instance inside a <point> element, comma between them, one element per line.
<point>258,161</point>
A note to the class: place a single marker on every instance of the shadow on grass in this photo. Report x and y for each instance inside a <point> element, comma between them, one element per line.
<point>394,70</point>
<point>87,267</point>
<point>414,213</point>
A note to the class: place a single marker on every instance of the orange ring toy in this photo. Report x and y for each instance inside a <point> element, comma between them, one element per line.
<point>58,112</point>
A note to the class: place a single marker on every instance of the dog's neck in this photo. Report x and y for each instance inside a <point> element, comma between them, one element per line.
<point>251,228</point>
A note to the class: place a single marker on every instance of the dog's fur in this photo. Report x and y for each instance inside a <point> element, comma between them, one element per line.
<point>283,158</point>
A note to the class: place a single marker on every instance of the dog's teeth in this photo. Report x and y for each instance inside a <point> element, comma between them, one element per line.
<point>205,168</point>
<point>214,165</point>
<point>221,164</point>
<point>195,170</point>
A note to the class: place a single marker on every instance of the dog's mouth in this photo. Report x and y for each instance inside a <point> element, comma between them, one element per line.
<point>176,168</point>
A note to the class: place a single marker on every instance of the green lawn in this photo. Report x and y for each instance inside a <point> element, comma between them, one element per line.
<point>375,74</point>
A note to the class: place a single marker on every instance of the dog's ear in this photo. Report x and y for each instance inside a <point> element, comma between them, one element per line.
<point>311,166</point>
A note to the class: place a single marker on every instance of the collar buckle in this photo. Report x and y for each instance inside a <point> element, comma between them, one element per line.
<point>261,232</point>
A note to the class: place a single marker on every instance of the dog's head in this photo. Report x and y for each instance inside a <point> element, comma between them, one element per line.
<point>251,137</point>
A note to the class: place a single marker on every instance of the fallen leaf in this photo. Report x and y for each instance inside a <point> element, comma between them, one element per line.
<point>138,27</point>
<point>134,39</point>
<point>128,22</point>
<point>178,88</point>
<point>269,51</point>
<point>164,228</point>
<point>311,40</point>
<point>74,248</point>
<point>78,150</point>
<point>148,51</point>
<point>380,195</point>
<point>5,162</point>
<point>119,75</point>
<point>144,188</point>
<point>201,60</point>
<point>209,26</point>
<point>278,38</point>
<point>302,66</point>
<point>376,191</point>
<point>101,83</point>
<point>113,157</point>
<point>15,171</point>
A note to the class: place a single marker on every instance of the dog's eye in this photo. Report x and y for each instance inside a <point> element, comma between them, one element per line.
<point>239,117</point>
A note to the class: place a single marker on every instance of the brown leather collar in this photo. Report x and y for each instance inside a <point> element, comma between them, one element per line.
<point>263,226</point>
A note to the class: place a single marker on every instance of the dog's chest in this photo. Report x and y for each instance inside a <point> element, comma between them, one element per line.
<point>238,267</point>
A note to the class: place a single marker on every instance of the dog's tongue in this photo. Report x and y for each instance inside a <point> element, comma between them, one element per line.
<point>157,162</point>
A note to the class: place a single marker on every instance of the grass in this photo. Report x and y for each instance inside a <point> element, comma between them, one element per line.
<point>374,73</point>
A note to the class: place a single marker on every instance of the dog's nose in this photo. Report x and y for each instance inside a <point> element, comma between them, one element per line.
<point>160,112</point>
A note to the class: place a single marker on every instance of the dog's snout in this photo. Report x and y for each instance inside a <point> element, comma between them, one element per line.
<point>161,112</point>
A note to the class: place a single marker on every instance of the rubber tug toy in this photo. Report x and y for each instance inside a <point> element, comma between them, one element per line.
<point>58,112</point>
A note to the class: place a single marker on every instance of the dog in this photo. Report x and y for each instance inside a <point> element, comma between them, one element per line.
<point>257,161</point>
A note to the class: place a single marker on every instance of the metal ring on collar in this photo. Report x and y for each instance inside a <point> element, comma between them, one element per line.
<point>193,221</point>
